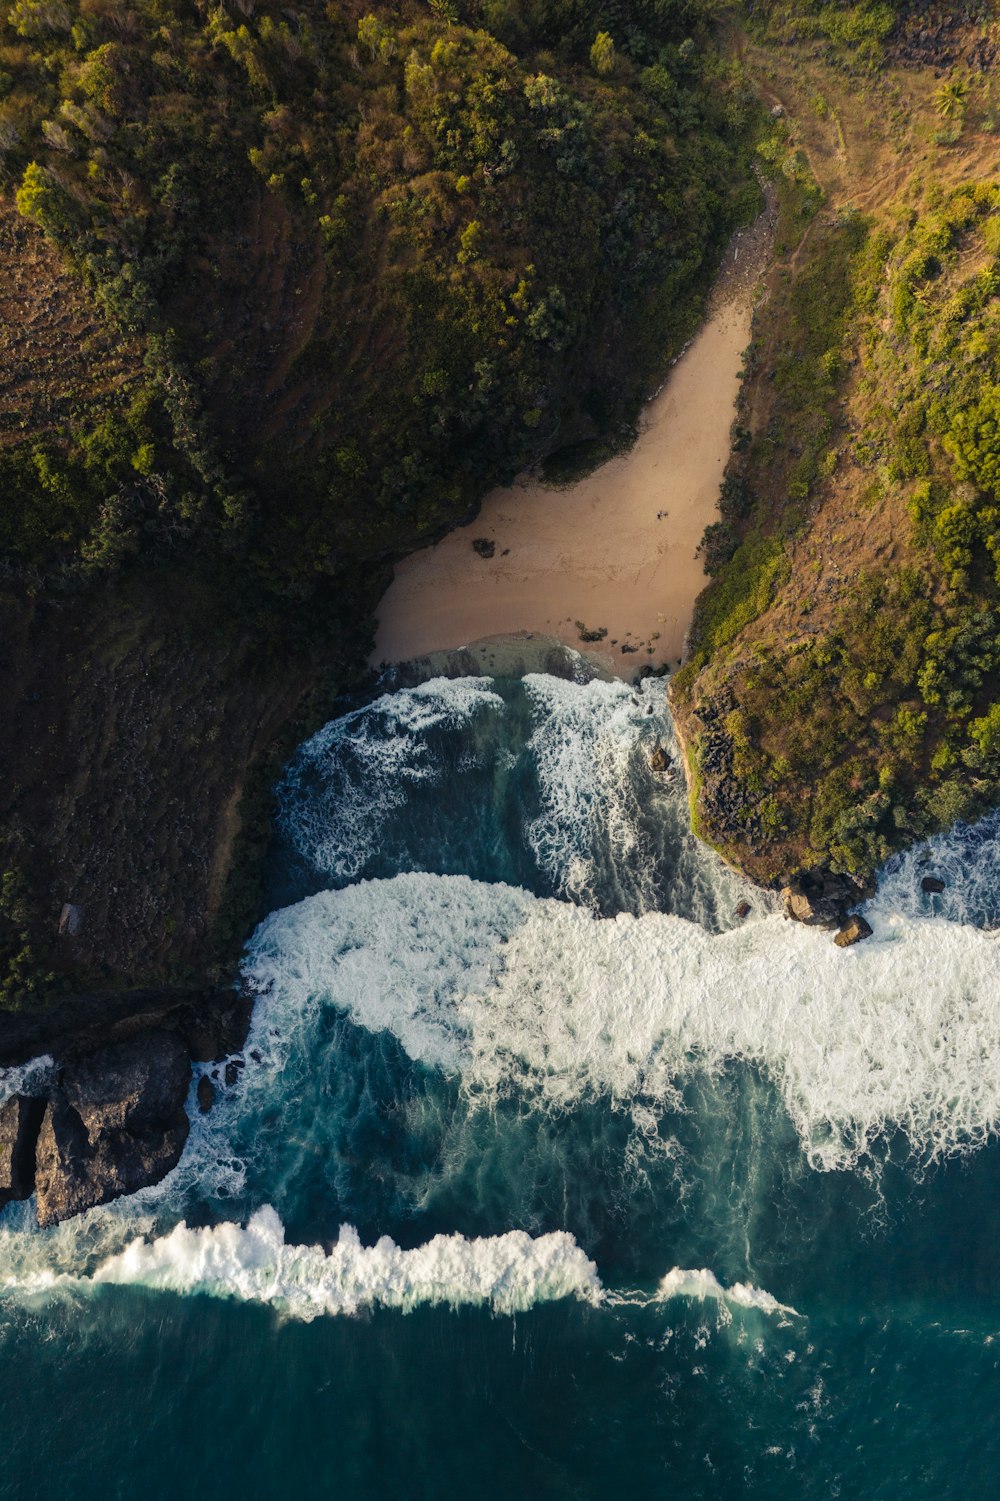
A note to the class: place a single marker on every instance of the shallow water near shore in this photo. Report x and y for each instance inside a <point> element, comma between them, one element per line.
<point>546,1175</point>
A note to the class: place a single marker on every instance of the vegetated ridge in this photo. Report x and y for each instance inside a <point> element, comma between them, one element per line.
<point>842,697</point>
<point>284,290</point>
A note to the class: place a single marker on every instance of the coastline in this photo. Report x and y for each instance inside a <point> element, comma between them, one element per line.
<point>612,556</point>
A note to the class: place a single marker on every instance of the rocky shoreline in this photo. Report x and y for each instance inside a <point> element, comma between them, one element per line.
<point>104,1113</point>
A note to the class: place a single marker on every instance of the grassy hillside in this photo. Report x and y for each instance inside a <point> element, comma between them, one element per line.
<point>299,283</point>
<point>843,697</point>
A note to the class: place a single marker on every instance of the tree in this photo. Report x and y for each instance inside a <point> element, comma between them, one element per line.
<point>974,442</point>
<point>951,98</point>
<point>602,54</point>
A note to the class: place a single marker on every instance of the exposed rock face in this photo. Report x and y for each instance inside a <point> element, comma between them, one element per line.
<point>660,762</point>
<point>853,930</point>
<point>932,885</point>
<point>20,1120</point>
<point>211,1023</point>
<point>821,899</point>
<point>206,1094</point>
<point>115,1123</point>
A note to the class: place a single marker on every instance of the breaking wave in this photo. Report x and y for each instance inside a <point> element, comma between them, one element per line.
<point>703,1284</point>
<point>507,1273</point>
<point>255,1263</point>
<point>523,994</point>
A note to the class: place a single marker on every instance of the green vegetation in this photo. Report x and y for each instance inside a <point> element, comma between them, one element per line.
<point>340,268</point>
<point>746,551</point>
<point>375,262</point>
<point>852,31</point>
<point>880,723</point>
<point>22,979</point>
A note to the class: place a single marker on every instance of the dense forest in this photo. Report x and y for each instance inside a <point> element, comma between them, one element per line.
<point>287,288</point>
<point>374,259</point>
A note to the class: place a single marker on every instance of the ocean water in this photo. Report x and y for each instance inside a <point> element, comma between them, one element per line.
<point>545,1175</point>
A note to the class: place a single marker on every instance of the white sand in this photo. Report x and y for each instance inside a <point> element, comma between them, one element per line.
<point>596,551</point>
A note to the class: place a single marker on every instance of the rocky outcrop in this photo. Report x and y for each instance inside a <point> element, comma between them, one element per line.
<point>211,1023</point>
<point>822,899</point>
<point>114,1123</point>
<point>932,885</point>
<point>852,931</point>
<point>114,1120</point>
<point>939,36</point>
<point>660,762</point>
<point>725,806</point>
<point>20,1121</point>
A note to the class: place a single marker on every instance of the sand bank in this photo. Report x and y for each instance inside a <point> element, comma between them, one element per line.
<point>614,551</point>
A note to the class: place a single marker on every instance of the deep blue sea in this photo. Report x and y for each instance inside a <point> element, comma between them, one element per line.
<point>545,1175</point>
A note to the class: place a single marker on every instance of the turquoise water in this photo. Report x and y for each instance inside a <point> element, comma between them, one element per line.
<point>544,1176</point>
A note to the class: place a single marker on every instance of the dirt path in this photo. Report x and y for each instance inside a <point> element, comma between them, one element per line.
<point>615,552</point>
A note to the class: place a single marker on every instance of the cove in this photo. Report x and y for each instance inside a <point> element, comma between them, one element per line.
<point>615,551</point>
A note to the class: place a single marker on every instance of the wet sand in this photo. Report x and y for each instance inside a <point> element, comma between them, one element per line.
<point>597,552</point>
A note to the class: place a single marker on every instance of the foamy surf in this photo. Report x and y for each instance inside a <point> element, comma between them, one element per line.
<point>255,1263</point>
<point>523,994</point>
<point>507,1273</point>
<point>346,781</point>
<point>703,1284</point>
<point>557,771</point>
<point>26,1078</point>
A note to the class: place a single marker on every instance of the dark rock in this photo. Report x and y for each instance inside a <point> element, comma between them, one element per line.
<point>852,930</point>
<point>743,910</point>
<point>212,1023</point>
<point>232,1074</point>
<point>20,1122</point>
<point>484,546</point>
<point>206,1094</point>
<point>659,761</point>
<point>114,1123</point>
<point>932,885</point>
<point>821,899</point>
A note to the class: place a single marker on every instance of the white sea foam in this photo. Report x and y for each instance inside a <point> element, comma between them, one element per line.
<point>508,1273</point>
<point>583,740</point>
<point>26,1078</point>
<point>686,1282</point>
<point>348,778</point>
<point>967,859</point>
<point>518,993</point>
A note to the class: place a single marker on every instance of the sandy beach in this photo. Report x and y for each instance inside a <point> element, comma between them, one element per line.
<point>615,551</point>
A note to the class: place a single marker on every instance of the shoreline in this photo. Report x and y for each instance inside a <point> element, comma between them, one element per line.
<point>612,556</point>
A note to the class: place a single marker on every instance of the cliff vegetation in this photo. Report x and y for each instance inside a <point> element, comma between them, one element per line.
<point>284,290</point>
<point>843,695</point>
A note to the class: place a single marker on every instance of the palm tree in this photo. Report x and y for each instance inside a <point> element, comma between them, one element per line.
<point>952,97</point>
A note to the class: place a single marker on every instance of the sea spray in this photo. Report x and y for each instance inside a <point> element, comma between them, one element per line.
<point>346,781</point>
<point>509,1273</point>
<point>539,997</point>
